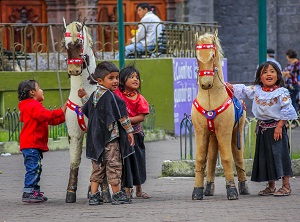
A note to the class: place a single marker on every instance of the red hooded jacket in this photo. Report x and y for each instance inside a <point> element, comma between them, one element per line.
<point>34,133</point>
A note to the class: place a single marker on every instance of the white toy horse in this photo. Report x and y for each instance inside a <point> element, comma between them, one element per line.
<point>81,64</point>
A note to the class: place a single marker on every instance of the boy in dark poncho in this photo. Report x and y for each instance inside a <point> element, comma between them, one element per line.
<point>109,133</point>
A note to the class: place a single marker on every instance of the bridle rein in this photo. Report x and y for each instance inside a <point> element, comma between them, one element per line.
<point>76,61</point>
<point>207,46</point>
<point>210,114</point>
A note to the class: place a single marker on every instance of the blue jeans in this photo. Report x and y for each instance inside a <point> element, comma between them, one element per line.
<point>33,166</point>
<point>139,49</point>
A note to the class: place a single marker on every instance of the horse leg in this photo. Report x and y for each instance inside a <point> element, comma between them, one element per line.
<point>226,158</point>
<point>212,157</point>
<point>75,159</point>
<point>200,164</point>
<point>238,156</point>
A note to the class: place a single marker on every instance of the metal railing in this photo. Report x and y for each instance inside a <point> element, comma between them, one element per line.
<point>186,126</point>
<point>187,135</point>
<point>12,126</point>
<point>31,45</point>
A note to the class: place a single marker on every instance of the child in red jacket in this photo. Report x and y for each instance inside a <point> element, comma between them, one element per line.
<point>34,135</point>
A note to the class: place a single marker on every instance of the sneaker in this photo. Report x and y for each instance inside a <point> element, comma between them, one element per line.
<point>95,199</point>
<point>120,198</point>
<point>33,197</point>
<point>41,194</point>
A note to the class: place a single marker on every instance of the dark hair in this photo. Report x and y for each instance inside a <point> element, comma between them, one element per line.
<point>24,89</point>
<point>102,70</point>
<point>263,67</point>
<point>144,5</point>
<point>291,53</point>
<point>124,75</point>
<point>271,52</point>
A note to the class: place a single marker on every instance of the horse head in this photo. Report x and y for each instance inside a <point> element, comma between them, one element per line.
<point>77,41</point>
<point>208,54</point>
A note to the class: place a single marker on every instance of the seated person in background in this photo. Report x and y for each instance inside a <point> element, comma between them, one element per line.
<point>146,31</point>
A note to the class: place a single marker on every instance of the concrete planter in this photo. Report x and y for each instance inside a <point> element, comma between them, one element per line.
<point>186,168</point>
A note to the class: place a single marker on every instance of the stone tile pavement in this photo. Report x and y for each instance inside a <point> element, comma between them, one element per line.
<point>171,197</point>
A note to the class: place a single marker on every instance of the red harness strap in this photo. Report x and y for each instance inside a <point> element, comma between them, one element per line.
<point>75,61</point>
<point>80,116</point>
<point>79,35</point>
<point>211,114</point>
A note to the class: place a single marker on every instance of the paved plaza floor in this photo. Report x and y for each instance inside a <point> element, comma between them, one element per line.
<point>170,197</point>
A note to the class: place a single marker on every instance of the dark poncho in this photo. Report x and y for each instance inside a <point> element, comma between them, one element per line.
<point>109,109</point>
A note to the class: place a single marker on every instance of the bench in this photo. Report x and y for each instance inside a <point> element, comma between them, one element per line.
<point>17,55</point>
<point>167,43</point>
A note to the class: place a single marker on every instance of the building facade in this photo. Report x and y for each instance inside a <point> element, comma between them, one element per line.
<point>238,21</point>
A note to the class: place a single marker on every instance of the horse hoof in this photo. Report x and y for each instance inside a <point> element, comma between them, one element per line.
<point>243,188</point>
<point>197,193</point>
<point>209,189</point>
<point>106,196</point>
<point>71,197</point>
<point>232,193</point>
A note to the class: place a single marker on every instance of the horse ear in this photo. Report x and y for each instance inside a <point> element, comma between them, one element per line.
<point>64,23</point>
<point>216,32</point>
<point>196,36</point>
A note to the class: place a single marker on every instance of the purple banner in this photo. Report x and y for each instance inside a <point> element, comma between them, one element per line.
<point>185,87</point>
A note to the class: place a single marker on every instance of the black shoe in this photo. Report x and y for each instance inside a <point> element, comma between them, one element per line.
<point>120,198</point>
<point>106,196</point>
<point>95,199</point>
<point>33,197</point>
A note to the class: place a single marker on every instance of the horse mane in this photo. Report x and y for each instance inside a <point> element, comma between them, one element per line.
<point>74,26</point>
<point>207,37</point>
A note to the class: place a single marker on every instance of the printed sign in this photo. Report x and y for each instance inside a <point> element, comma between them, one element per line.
<point>185,87</point>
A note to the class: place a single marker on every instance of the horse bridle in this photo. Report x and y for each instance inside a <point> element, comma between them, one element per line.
<point>207,72</point>
<point>83,60</point>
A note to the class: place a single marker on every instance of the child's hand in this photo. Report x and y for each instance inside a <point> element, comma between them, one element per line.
<point>278,132</point>
<point>81,93</point>
<point>130,139</point>
<point>64,108</point>
<point>229,89</point>
<point>229,86</point>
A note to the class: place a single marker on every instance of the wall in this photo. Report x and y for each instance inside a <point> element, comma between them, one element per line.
<point>47,80</point>
<point>157,88</point>
<point>238,31</point>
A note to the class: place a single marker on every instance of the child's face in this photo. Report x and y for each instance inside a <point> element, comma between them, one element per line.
<point>38,93</point>
<point>111,81</point>
<point>268,76</point>
<point>133,82</point>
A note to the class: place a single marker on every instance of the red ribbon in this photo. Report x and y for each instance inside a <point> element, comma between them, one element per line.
<point>77,61</point>
<point>80,116</point>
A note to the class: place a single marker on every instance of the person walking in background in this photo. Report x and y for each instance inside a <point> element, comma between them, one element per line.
<point>272,107</point>
<point>292,73</point>
<point>271,57</point>
<point>109,134</point>
<point>147,31</point>
<point>34,135</point>
<point>137,109</point>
